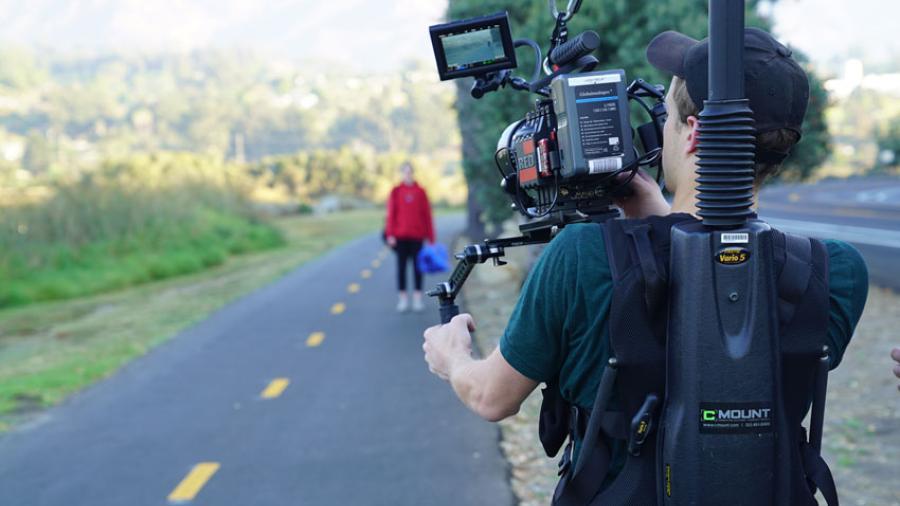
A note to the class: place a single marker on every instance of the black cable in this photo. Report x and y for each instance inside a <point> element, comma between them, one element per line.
<point>643,104</point>
<point>650,157</point>
<point>555,197</point>
<point>538,57</point>
<point>656,153</point>
<point>630,176</point>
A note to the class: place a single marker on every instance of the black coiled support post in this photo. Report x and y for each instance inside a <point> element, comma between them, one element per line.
<point>725,168</point>
<point>727,143</point>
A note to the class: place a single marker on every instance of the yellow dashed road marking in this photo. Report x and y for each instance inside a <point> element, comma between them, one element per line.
<point>192,483</point>
<point>794,197</point>
<point>338,308</point>
<point>275,388</point>
<point>315,339</point>
<point>376,263</point>
<point>366,274</point>
<point>353,288</point>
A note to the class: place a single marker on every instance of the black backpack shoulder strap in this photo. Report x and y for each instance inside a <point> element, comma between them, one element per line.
<point>654,280</point>
<point>578,486</point>
<point>646,248</point>
<point>794,277</point>
<point>618,252</point>
<point>819,474</point>
<point>800,257</point>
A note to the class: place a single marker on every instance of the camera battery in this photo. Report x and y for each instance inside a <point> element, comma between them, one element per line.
<point>592,119</point>
<point>531,146</point>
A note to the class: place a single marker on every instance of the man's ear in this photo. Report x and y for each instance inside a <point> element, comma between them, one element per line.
<point>693,135</point>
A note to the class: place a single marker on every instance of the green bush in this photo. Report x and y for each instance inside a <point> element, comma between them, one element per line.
<point>133,221</point>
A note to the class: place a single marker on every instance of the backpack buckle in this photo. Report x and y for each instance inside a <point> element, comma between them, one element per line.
<point>642,425</point>
<point>565,462</point>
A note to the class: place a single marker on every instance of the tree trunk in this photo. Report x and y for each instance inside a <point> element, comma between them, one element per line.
<point>475,228</point>
<point>474,225</point>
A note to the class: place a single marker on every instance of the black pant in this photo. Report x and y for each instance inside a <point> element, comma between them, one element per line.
<point>407,250</point>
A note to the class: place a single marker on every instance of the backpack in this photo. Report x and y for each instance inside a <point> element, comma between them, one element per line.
<point>638,251</point>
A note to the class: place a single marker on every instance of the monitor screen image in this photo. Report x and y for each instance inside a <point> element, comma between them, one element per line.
<point>474,48</point>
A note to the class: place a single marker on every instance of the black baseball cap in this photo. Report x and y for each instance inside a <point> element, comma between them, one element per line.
<point>775,84</point>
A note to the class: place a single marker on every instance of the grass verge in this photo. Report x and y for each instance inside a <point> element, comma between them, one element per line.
<point>50,350</point>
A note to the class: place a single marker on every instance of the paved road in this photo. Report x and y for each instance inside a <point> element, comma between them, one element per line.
<point>352,416</point>
<point>864,212</point>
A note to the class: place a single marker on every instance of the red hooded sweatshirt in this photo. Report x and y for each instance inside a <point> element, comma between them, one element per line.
<point>409,214</point>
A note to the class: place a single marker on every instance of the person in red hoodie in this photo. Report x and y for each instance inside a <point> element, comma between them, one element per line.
<point>407,225</point>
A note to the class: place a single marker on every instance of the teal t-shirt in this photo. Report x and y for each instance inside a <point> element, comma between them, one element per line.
<point>559,325</point>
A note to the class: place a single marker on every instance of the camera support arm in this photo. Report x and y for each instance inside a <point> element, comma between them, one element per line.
<point>472,255</point>
<point>537,232</point>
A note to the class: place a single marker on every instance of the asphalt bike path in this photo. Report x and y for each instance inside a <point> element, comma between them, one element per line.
<point>863,211</point>
<point>310,391</point>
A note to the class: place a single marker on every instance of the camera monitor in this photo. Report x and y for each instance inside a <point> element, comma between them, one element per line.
<point>473,47</point>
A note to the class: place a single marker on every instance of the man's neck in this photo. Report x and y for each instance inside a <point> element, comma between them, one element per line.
<point>685,202</point>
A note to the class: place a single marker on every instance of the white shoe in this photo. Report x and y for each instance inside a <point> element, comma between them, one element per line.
<point>417,305</point>
<point>402,305</point>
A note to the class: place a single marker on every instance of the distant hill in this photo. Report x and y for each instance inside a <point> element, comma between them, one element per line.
<point>61,109</point>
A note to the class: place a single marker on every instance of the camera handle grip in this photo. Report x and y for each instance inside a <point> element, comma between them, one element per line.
<point>582,45</point>
<point>448,311</point>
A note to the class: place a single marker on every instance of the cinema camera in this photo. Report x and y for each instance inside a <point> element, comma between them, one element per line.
<point>564,160</point>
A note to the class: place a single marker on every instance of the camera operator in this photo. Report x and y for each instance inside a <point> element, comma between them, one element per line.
<point>559,330</point>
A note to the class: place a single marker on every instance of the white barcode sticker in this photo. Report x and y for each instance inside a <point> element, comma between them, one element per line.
<point>601,78</point>
<point>609,164</point>
<point>735,238</point>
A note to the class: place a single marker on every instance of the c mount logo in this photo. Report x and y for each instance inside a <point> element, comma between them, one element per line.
<point>735,417</point>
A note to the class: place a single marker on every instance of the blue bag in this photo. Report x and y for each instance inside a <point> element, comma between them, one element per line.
<point>433,258</point>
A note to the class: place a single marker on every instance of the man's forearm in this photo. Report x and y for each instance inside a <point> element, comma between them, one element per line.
<point>462,380</point>
<point>490,387</point>
<point>470,379</point>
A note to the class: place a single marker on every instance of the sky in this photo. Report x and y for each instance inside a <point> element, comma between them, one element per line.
<point>833,30</point>
<point>358,33</point>
<point>375,34</point>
